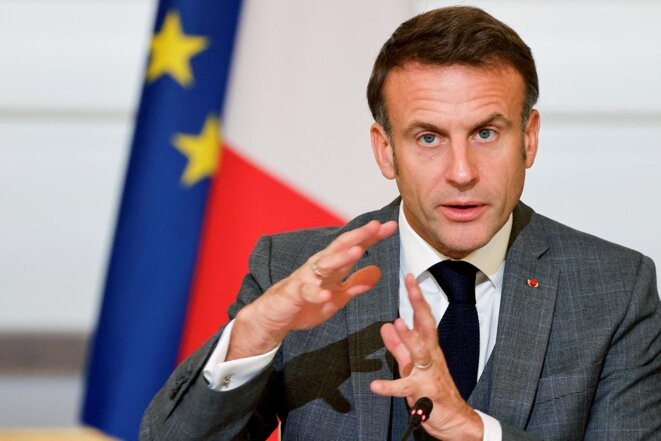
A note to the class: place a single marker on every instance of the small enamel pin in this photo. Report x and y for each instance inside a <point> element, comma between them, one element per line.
<point>533,283</point>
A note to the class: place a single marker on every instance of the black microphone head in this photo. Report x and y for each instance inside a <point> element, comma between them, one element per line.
<point>421,409</point>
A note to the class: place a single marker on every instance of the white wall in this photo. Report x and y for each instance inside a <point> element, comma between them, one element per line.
<point>70,80</point>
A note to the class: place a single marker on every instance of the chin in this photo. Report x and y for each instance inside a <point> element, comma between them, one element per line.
<point>460,244</point>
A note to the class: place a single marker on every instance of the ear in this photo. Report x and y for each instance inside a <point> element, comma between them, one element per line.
<point>383,151</point>
<point>531,137</point>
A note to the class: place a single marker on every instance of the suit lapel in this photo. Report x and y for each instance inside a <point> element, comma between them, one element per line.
<point>524,325</point>
<point>367,355</point>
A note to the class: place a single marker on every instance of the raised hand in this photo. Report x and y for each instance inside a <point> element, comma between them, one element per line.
<point>311,294</point>
<point>424,373</point>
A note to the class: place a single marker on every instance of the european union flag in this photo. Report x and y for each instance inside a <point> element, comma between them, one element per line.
<point>174,154</point>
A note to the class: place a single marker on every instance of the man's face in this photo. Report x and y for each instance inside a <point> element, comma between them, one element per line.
<point>457,150</point>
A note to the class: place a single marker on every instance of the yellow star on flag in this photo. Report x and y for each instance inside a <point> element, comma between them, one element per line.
<point>171,51</point>
<point>202,151</point>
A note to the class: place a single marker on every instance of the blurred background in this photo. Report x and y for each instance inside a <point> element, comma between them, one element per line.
<point>70,82</point>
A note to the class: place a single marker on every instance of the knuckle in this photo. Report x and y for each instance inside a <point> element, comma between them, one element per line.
<point>407,389</point>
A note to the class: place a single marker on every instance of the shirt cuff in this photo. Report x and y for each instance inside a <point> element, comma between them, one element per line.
<point>492,429</point>
<point>227,375</point>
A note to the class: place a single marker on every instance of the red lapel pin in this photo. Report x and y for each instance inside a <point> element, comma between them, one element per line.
<point>533,283</point>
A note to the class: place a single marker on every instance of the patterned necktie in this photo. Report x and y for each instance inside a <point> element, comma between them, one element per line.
<point>459,329</point>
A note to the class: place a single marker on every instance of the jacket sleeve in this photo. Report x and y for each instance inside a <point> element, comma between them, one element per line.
<point>187,409</point>
<point>627,402</point>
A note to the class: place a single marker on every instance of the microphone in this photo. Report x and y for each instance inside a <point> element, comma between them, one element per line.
<point>419,414</point>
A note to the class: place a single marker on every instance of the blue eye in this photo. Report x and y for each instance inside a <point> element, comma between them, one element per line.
<point>485,134</point>
<point>428,138</point>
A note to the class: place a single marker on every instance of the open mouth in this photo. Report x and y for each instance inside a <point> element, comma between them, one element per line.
<point>462,212</point>
<point>463,206</point>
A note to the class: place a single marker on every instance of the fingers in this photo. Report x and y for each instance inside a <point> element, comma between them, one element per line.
<point>423,320</point>
<point>358,283</point>
<point>311,294</point>
<point>422,339</point>
<point>314,294</point>
<point>424,372</point>
<point>416,377</point>
<point>330,268</point>
<point>346,249</point>
<point>365,236</point>
<point>415,349</point>
<point>362,280</point>
<point>397,348</point>
<point>407,347</point>
<point>317,290</point>
<point>420,352</point>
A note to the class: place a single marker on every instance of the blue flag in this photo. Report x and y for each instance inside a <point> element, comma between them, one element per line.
<point>173,157</point>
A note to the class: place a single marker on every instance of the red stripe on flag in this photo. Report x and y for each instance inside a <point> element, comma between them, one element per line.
<point>245,203</point>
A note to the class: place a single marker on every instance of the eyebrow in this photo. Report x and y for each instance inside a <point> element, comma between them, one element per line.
<point>424,126</point>
<point>494,118</point>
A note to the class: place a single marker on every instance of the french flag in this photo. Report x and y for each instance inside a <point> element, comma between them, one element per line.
<point>224,116</point>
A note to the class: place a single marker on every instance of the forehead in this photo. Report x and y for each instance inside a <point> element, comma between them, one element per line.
<point>455,91</point>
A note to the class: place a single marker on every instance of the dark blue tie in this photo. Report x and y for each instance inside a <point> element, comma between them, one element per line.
<point>459,329</point>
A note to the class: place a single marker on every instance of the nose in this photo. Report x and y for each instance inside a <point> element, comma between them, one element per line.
<point>461,170</point>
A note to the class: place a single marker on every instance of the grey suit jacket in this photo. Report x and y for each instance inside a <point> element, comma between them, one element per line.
<point>576,357</point>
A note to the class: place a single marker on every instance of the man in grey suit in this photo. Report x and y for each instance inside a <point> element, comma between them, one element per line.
<point>334,331</point>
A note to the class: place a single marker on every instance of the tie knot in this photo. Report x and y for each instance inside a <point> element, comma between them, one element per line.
<point>457,279</point>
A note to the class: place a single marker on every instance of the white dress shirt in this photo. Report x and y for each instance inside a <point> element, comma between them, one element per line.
<point>416,256</point>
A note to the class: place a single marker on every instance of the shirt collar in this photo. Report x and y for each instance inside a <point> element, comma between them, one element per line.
<point>417,255</point>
